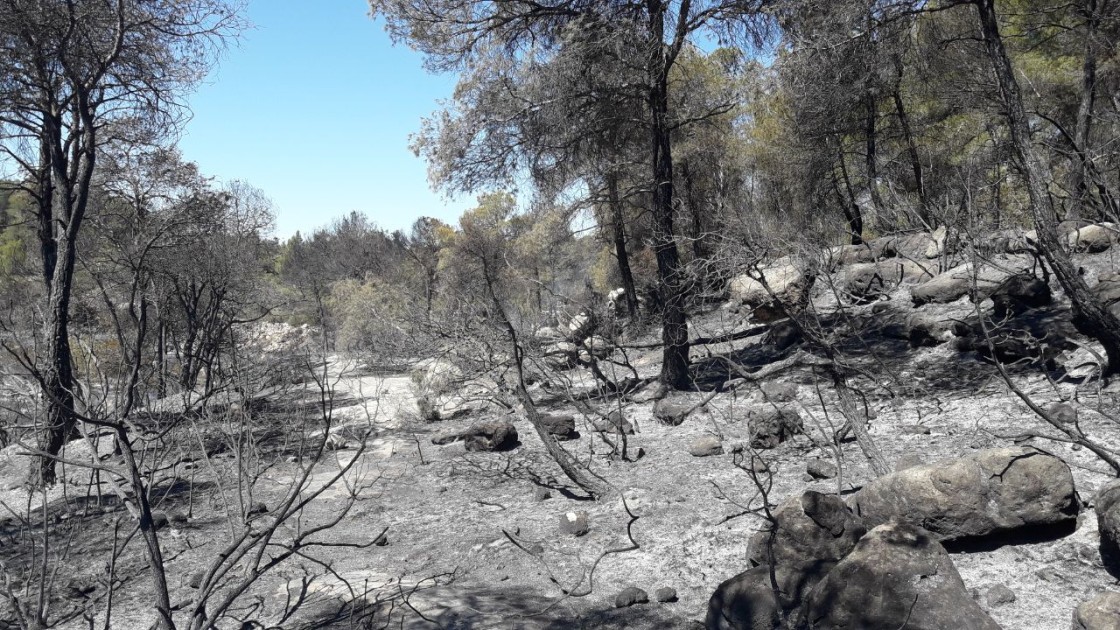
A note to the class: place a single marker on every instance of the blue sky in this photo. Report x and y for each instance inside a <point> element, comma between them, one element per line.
<point>314,106</point>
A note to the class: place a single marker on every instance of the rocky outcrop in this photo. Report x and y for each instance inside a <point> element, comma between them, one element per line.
<point>1100,613</point>
<point>789,287</point>
<point>898,576</point>
<point>1019,294</point>
<point>1107,505</point>
<point>958,282</point>
<point>490,435</point>
<point>867,281</point>
<point>810,534</point>
<point>992,491</point>
<point>1093,238</point>
<point>770,425</point>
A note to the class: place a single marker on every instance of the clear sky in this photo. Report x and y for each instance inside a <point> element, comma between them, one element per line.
<point>314,107</point>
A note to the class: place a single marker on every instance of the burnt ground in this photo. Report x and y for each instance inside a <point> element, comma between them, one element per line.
<point>470,543</point>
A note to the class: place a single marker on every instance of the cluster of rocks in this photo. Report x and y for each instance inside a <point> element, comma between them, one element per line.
<point>821,557</point>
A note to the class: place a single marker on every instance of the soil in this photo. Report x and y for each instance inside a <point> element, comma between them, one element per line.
<point>470,542</point>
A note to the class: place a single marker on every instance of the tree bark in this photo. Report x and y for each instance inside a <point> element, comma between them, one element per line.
<point>618,229</point>
<point>674,323</point>
<point>911,144</point>
<point>1081,172</point>
<point>1089,315</point>
<point>850,207</point>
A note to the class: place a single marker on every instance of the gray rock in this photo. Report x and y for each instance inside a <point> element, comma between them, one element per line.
<point>957,282</point>
<point>563,426</point>
<point>744,602</point>
<point>989,492</point>
<point>869,281</point>
<point>782,335</point>
<point>999,595</point>
<point>771,425</point>
<point>914,429</point>
<point>491,435</point>
<point>705,446</point>
<point>821,469</point>
<point>1019,294</point>
<point>575,523</point>
<point>542,494</point>
<point>810,534</point>
<point>671,412</point>
<point>909,460</point>
<point>914,583</point>
<point>1063,413</point>
<point>630,596</point>
<point>447,436</point>
<point>1100,613</point>
<point>779,392</point>
<point>665,594</point>
<point>1092,239</point>
<point>1107,505</point>
<point>613,423</point>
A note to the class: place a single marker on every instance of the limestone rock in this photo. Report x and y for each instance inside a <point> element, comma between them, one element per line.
<point>1092,239</point>
<point>989,492</point>
<point>1100,613</point>
<point>705,446</point>
<point>490,435</point>
<point>770,425</point>
<point>914,583</point>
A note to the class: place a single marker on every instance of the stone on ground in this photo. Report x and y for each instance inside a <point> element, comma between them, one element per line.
<point>705,446</point>
<point>1100,613</point>
<point>989,492</point>
<point>630,596</point>
<point>490,435</point>
<point>898,576</point>
<point>770,425</point>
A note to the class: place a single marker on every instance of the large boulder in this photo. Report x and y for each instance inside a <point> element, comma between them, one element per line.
<point>1019,294</point>
<point>770,425</point>
<point>1107,505</point>
<point>744,602</point>
<point>952,285</point>
<point>1107,291</point>
<point>1100,613</point>
<point>939,244</point>
<point>490,435</point>
<point>867,281</point>
<point>986,493</point>
<point>561,425</point>
<point>580,326</point>
<point>809,535</point>
<point>898,576</point>
<point>789,286</point>
<point>672,411</point>
<point>1092,238</point>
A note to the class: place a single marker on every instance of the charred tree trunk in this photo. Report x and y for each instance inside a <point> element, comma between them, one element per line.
<point>674,322</point>
<point>696,229</point>
<point>618,233</point>
<point>911,144</point>
<point>1090,316</point>
<point>849,206</point>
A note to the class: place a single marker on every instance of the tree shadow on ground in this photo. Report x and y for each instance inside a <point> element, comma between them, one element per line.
<point>457,607</point>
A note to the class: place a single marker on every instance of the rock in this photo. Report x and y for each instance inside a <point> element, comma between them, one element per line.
<point>789,284</point>
<point>1100,613</point>
<point>574,523</point>
<point>561,355</point>
<point>957,282</point>
<point>912,246</point>
<point>1107,292</point>
<point>821,469</point>
<point>811,533</point>
<point>989,492</point>
<point>548,335</point>
<point>665,595</point>
<point>914,429</point>
<point>1107,505</point>
<point>613,423</point>
<point>563,426</point>
<point>491,435</point>
<point>782,335</point>
<point>671,412</point>
<point>542,494</point>
<point>257,509</point>
<point>779,392</point>
<point>998,595</point>
<point>939,242</point>
<point>1064,413</point>
<point>447,436</point>
<point>196,578</point>
<point>630,596</point>
<point>867,282</point>
<point>705,446</point>
<point>160,520</point>
<point>1019,294</point>
<point>770,425</point>
<point>744,602</point>
<point>580,326</point>
<point>925,331</point>
<point>599,347</point>
<point>898,576</point>
<point>1092,238</point>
